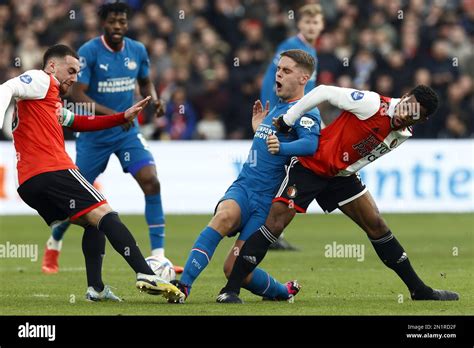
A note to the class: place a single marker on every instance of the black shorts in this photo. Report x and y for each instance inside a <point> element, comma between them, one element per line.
<point>60,195</point>
<point>301,186</point>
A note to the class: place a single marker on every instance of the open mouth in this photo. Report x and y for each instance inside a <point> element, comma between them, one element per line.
<point>116,36</point>
<point>278,85</point>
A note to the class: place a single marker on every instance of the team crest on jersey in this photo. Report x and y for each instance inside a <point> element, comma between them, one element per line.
<point>357,95</point>
<point>306,122</point>
<point>130,64</point>
<point>26,79</point>
<point>292,192</point>
<point>393,143</point>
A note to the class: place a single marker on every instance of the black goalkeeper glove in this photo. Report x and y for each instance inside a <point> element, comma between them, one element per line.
<point>280,125</point>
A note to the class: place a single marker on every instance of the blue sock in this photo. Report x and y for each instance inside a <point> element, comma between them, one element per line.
<point>59,230</point>
<point>200,255</point>
<point>262,284</point>
<point>156,220</point>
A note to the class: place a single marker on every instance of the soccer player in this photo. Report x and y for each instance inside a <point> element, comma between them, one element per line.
<point>369,126</point>
<point>50,183</point>
<point>245,204</point>
<point>310,23</point>
<point>110,67</point>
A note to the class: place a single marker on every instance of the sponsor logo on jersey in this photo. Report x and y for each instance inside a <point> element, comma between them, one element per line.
<point>393,143</point>
<point>357,95</point>
<point>119,84</point>
<point>26,79</point>
<point>306,122</point>
<point>104,66</point>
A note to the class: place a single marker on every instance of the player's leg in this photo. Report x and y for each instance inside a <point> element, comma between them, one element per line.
<point>91,160</point>
<point>136,158</point>
<point>287,202</point>
<point>244,271</point>
<point>259,282</point>
<point>226,220</point>
<point>148,180</point>
<point>364,212</point>
<point>102,219</point>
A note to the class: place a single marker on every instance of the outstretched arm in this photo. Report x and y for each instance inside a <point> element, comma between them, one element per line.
<point>361,103</point>
<point>81,123</point>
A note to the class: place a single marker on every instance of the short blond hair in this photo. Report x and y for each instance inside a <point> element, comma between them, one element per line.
<point>310,10</point>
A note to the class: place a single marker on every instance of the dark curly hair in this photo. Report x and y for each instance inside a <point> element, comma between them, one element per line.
<point>113,7</point>
<point>427,98</point>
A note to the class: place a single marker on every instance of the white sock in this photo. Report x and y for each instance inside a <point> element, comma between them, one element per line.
<point>54,244</point>
<point>158,252</point>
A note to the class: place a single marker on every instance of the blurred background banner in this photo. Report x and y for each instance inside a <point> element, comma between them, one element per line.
<point>419,176</point>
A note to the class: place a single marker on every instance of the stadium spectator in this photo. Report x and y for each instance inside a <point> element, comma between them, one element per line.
<point>364,42</point>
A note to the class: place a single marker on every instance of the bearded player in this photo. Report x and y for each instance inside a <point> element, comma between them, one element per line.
<point>369,126</point>
<point>110,67</point>
<point>246,203</point>
<point>51,183</point>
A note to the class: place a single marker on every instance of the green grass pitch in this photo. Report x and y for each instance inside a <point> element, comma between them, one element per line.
<point>440,246</point>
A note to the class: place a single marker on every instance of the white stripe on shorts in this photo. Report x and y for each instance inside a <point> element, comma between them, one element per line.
<point>293,161</point>
<point>86,185</point>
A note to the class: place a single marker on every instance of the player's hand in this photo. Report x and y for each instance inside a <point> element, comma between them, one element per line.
<point>159,106</point>
<point>259,113</point>
<point>280,125</point>
<point>132,112</point>
<point>273,144</point>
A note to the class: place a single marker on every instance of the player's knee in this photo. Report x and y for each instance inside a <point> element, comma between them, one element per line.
<point>377,227</point>
<point>150,185</point>
<point>224,221</point>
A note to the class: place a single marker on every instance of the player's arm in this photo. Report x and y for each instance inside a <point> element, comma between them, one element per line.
<point>33,84</point>
<point>147,88</point>
<point>308,130</point>
<point>85,123</point>
<point>145,85</point>
<point>363,104</point>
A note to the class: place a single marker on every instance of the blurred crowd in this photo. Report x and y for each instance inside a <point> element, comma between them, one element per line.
<point>208,56</point>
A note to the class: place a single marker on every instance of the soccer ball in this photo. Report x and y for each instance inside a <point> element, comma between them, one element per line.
<point>162,267</point>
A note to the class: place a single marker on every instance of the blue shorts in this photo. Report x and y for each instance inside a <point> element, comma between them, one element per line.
<point>254,209</point>
<point>132,151</point>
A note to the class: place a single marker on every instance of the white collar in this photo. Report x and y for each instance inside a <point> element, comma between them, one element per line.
<point>391,106</point>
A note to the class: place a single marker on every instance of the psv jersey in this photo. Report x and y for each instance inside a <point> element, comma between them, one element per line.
<point>37,135</point>
<point>359,135</point>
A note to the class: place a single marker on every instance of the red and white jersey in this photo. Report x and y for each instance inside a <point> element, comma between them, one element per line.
<point>360,134</point>
<point>37,135</point>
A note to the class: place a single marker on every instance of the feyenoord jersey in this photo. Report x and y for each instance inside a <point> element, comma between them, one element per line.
<point>37,134</point>
<point>359,135</point>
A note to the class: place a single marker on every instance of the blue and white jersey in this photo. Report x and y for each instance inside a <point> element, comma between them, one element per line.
<point>268,84</point>
<point>111,77</point>
<point>264,172</point>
